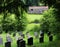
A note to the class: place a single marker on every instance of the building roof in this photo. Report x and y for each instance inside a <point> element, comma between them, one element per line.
<point>37,7</point>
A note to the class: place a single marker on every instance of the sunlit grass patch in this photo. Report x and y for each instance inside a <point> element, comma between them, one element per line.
<point>32,17</point>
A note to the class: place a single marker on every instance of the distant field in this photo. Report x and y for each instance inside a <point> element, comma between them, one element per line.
<point>32,17</point>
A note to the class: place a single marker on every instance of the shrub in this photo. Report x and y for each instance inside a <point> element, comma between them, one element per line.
<point>49,21</point>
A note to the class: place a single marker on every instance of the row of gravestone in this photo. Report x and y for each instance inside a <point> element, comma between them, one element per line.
<point>50,35</point>
<point>21,42</point>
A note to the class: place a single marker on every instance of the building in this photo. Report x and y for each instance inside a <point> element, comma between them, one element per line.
<point>37,9</point>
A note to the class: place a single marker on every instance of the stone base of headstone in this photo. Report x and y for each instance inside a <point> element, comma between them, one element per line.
<point>8,44</point>
<point>18,43</point>
<point>22,43</point>
<point>51,38</point>
<point>49,33</point>
<point>42,34</point>
<point>30,41</point>
<point>41,39</point>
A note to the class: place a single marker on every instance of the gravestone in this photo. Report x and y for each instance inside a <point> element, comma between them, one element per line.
<point>30,41</point>
<point>41,33</point>
<point>16,37</point>
<point>21,34</point>
<point>36,34</point>
<point>49,33</point>
<point>41,39</point>
<point>51,37</point>
<point>8,44</point>
<point>22,43</point>
<point>1,40</point>
<point>8,38</point>
<point>18,41</point>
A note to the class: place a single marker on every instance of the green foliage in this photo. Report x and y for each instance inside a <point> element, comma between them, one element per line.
<point>35,21</point>
<point>48,2</point>
<point>32,2</point>
<point>49,22</point>
<point>16,7</point>
<point>35,29</point>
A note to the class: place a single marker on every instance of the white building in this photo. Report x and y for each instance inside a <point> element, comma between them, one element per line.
<point>37,9</point>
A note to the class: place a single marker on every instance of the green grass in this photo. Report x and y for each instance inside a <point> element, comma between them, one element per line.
<point>36,40</point>
<point>32,17</point>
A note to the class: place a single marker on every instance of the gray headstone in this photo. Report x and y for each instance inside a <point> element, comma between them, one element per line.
<point>1,40</point>
<point>20,33</point>
<point>8,38</point>
<point>41,31</point>
<point>41,39</point>
<point>35,34</point>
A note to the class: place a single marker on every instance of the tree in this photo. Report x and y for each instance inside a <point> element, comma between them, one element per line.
<point>16,7</point>
<point>48,2</point>
<point>33,2</point>
<point>49,21</point>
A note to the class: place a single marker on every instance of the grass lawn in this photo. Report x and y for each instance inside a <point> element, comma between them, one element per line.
<point>36,40</point>
<point>32,17</point>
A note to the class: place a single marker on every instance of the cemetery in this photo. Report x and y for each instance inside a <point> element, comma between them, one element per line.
<point>29,23</point>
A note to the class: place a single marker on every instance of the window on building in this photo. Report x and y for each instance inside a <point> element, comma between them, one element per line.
<point>31,9</point>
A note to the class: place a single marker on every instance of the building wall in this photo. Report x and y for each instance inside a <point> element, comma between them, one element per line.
<point>37,10</point>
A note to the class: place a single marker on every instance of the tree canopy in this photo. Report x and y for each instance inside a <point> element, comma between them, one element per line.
<point>16,7</point>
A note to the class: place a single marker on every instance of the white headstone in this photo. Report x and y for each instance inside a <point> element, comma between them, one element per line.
<point>16,37</point>
<point>41,32</point>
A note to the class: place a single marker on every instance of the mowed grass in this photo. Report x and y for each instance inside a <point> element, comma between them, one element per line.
<point>32,17</point>
<point>36,40</point>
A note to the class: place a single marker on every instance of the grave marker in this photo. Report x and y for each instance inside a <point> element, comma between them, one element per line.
<point>1,40</point>
<point>30,41</point>
<point>36,34</point>
<point>41,39</point>
<point>8,44</point>
<point>51,37</point>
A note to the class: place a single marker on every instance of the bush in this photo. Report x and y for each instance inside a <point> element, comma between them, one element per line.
<point>49,21</point>
<point>35,21</point>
